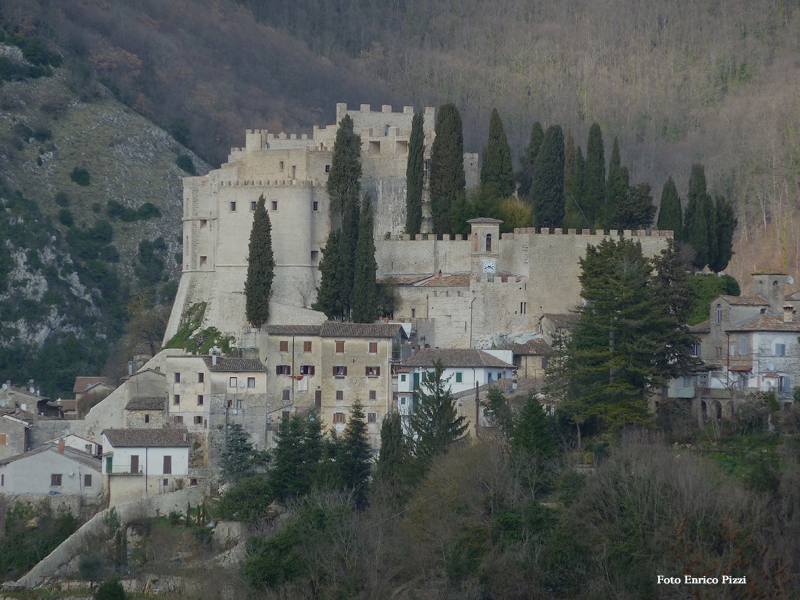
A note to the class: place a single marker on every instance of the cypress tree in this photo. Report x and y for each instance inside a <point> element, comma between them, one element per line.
<point>235,457</point>
<point>726,225</point>
<point>573,190</point>
<point>260,267</point>
<point>497,172</point>
<point>531,436</point>
<point>414,175</point>
<point>637,209</point>
<point>695,225</point>
<point>547,190</point>
<point>670,216</point>
<point>329,297</point>
<point>393,454</point>
<point>344,179</point>
<point>594,187</point>
<point>569,157</point>
<point>297,453</point>
<point>365,288</point>
<point>528,160</point>
<point>355,457</point>
<point>447,179</point>
<point>616,191</point>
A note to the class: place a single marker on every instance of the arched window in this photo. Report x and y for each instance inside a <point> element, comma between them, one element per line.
<point>775,289</point>
<point>488,242</point>
<point>719,313</point>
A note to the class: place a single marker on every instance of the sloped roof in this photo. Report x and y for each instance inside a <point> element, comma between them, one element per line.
<point>484,221</point>
<point>70,453</point>
<point>704,327</point>
<point>563,320</point>
<point>360,330</point>
<point>534,347</point>
<point>234,365</point>
<point>292,329</point>
<point>83,384</point>
<point>744,300</point>
<point>769,272</point>
<point>151,403</point>
<point>455,357</point>
<point>148,438</point>
<point>767,323</point>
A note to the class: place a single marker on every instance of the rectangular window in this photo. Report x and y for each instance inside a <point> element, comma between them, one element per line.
<point>232,382</point>
<point>315,206</point>
<point>87,481</point>
<point>167,465</point>
<point>200,400</point>
<point>719,351</point>
<point>3,439</point>
<point>459,377</point>
<point>402,401</point>
<point>283,369</point>
<point>147,418</point>
<point>372,417</point>
<point>177,399</point>
<point>402,377</point>
<point>339,394</point>
<point>203,261</point>
<point>252,206</point>
<point>233,206</point>
<point>179,420</point>
<point>201,377</point>
<point>373,347</point>
<point>307,370</point>
<point>193,482</point>
<point>285,415</point>
<point>339,371</point>
<point>373,371</point>
<point>318,399</point>
<point>282,166</point>
<point>251,382</point>
<point>413,312</point>
<point>306,346</point>
<point>327,168</point>
<point>697,350</point>
<point>743,346</point>
<point>284,346</point>
<point>339,347</point>
<point>135,463</point>
<point>285,396</point>
<point>732,349</point>
<point>198,420</point>
<point>55,480</point>
<point>274,205</point>
<point>687,382</point>
<point>177,377</point>
<point>2,480</point>
<point>337,418</point>
<point>780,349</point>
<point>373,395</point>
<point>785,386</point>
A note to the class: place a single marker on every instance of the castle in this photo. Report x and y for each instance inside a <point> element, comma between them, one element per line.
<point>460,292</point>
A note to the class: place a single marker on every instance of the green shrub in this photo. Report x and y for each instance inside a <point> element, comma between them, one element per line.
<point>81,177</point>
<point>247,501</point>
<point>185,162</point>
<point>147,211</point>
<point>96,208</point>
<point>114,209</point>
<point>110,590</point>
<point>42,134</point>
<point>129,215</point>
<point>65,217</point>
<point>180,131</point>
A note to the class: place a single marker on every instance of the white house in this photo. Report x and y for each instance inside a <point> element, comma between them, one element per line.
<point>77,442</point>
<point>52,469</point>
<point>138,463</point>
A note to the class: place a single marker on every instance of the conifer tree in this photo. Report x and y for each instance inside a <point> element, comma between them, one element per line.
<point>393,454</point>
<point>365,288</point>
<point>695,224</point>
<point>547,190</point>
<point>569,157</point>
<point>329,296</point>
<point>414,175</point>
<point>725,227</point>
<point>528,160</point>
<point>354,457</point>
<point>260,267</point>
<point>235,457</point>
<point>532,434</point>
<point>573,191</point>
<point>617,186</point>
<point>344,179</point>
<point>670,216</point>
<point>636,210</point>
<point>447,179</point>
<point>435,423</point>
<point>297,454</point>
<point>594,181</point>
<point>497,172</point>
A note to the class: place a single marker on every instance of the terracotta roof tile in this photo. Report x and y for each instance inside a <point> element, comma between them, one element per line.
<point>234,365</point>
<point>745,300</point>
<point>455,357</point>
<point>148,438</point>
<point>292,329</point>
<point>85,383</point>
<point>767,323</point>
<point>152,403</point>
<point>563,320</point>
<point>536,347</point>
<point>360,330</point>
<point>704,327</point>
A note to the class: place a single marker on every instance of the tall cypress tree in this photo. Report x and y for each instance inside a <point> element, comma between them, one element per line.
<point>344,179</point>
<point>355,457</point>
<point>636,211</point>
<point>414,174</point>
<point>329,296</point>
<point>393,456</point>
<point>695,224</point>
<point>365,288</point>
<point>447,179</point>
<point>528,160</point>
<point>260,267</point>
<point>569,157</point>
<point>547,190</point>
<point>594,188</point>
<point>617,186</point>
<point>725,227</point>
<point>497,172</point>
<point>573,190</point>
<point>670,216</point>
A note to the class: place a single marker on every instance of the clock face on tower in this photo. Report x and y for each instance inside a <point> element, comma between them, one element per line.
<point>489,265</point>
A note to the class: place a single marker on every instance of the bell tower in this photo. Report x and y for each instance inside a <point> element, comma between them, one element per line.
<point>485,239</point>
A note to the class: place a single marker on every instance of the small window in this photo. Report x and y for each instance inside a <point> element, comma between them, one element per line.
<point>372,417</point>
<point>488,242</point>
<point>373,371</point>
<point>719,351</point>
<point>294,175</point>
<point>732,349</point>
<point>413,313</point>
<point>201,377</point>
<point>176,399</point>
<point>306,346</point>
<point>339,371</point>
<point>200,400</point>
<point>2,480</point>
<point>251,382</point>
<point>167,465</point>
<point>233,206</point>
<point>282,167</point>
<point>283,369</point>
<point>179,420</point>
<point>55,480</point>
<point>232,382</point>
<point>203,261</point>
<point>402,401</point>
<point>252,206</point>
<point>780,349</point>
<point>459,377</point>
<point>177,377</point>
<point>315,206</point>
<point>373,395</point>
<point>284,346</point>
<point>203,224</point>
<point>402,377</point>
<point>339,347</point>
<point>338,418</point>
<point>318,399</point>
<point>198,420</point>
<point>743,346</point>
<point>307,370</point>
<point>719,313</point>
<point>373,347</point>
<point>339,394</point>
<point>147,418</point>
<point>286,395</point>
<point>87,481</point>
<point>274,205</point>
<point>193,482</point>
<point>314,256</point>
<point>327,168</point>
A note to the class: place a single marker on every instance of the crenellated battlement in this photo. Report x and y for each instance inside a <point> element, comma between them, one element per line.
<point>526,231</point>
<point>273,183</point>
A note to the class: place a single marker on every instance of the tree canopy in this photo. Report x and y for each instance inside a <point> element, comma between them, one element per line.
<point>447,178</point>
<point>260,267</point>
<point>547,189</point>
<point>365,288</point>
<point>414,174</point>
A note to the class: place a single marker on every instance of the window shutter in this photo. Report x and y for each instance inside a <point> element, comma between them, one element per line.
<point>367,373</point>
<point>377,371</point>
<point>345,370</point>
<point>288,369</point>
<point>334,371</point>
<point>311,370</point>
<point>277,370</point>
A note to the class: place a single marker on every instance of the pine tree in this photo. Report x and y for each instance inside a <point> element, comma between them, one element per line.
<point>695,224</point>
<point>636,209</point>
<point>726,226</point>
<point>447,179</point>
<point>594,188</point>
<point>297,453</point>
<point>532,433</point>
<point>393,454</point>
<point>365,288</point>
<point>497,172</point>
<point>235,457</point>
<point>617,186</point>
<point>355,457</point>
<point>670,216</point>
<point>260,267</point>
<point>435,423</point>
<point>547,190</point>
<point>329,296</point>
<point>414,175</point>
<point>344,179</point>
<point>528,160</point>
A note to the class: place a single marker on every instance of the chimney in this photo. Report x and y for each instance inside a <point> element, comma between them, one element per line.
<point>61,446</point>
<point>788,311</point>
<point>214,359</point>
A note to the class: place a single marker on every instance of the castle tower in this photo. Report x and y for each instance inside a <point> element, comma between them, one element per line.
<point>485,237</point>
<point>768,285</point>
